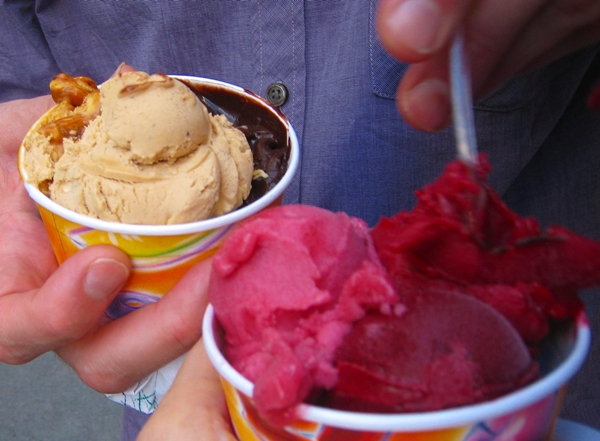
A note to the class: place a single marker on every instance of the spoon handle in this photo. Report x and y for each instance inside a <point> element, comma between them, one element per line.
<point>462,102</point>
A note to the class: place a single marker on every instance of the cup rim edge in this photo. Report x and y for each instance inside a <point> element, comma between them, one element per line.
<point>432,420</point>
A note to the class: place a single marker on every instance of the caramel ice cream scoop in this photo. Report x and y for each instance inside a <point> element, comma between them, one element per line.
<point>154,117</point>
<point>152,155</point>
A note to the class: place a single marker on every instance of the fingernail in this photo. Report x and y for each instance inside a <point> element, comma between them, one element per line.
<point>417,24</point>
<point>104,277</point>
<point>428,103</point>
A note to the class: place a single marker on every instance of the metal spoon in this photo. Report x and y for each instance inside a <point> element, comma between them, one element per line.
<point>216,109</point>
<point>462,102</point>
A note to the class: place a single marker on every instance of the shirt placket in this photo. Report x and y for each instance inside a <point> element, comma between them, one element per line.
<point>280,63</point>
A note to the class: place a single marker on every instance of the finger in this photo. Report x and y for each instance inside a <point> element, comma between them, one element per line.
<point>413,30</point>
<point>490,27</point>
<point>424,95</point>
<point>22,114</point>
<point>578,39</point>
<point>556,30</point>
<point>68,305</point>
<point>119,354</point>
<point>490,30</point>
<point>28,259</point>
<point>194,404</point>
<point>122,68</point>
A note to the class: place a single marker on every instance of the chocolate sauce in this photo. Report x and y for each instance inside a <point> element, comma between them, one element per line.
<point>266,134</point>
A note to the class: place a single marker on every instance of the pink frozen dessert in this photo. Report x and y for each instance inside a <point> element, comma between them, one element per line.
<point>286,287</point>
<point>437,307</point>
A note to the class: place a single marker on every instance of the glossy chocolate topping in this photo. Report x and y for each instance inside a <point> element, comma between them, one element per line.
<point>263,127</point>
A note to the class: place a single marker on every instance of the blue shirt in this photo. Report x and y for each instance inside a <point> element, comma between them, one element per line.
<point>358,155</point>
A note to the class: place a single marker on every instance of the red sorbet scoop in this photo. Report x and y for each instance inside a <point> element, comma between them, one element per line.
<point>446,350</point>
<point>286,286</point>
<point>461,237</point>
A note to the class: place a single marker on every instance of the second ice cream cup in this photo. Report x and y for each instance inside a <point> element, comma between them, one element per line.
<point>524,415</point>
<point>162,254</point>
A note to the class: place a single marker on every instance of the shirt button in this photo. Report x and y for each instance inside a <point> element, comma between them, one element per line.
<point>277,94</point>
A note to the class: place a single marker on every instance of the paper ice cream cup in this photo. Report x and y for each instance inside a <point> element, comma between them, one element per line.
<point>524,415</point>
<point>162,254</point>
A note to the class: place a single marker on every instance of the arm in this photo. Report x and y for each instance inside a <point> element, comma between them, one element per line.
<point>504,39</point>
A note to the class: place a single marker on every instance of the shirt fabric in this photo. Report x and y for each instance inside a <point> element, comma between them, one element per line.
<point>358,155</point>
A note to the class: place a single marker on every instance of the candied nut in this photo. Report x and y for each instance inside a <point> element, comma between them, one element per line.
<point>90,106</point>
<point>86,82</point>
<point>59,111</point>
<point>68,127</point>
<point>64,87</point>
<point>258,174</point>
<point>64,121</point>
<point>44,187</point>
<point>145,82</point>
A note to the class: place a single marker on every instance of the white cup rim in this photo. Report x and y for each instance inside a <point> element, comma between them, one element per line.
<point>191,227</point>
<point>423,421</point>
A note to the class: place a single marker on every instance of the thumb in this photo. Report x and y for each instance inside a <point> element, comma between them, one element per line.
<point>69,304</point>
<point>415,30</point>
<point>194,404</point>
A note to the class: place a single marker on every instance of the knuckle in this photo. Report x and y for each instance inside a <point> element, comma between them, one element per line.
<point>183,335</point>
<point>102,376</point>
<point>14,351</point>
<point>57,326</point>
<point>61,326</point>
<point>14,356</point>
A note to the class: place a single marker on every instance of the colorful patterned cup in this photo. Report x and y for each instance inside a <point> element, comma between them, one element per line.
<point>524,415</point>
<point>162,254</point>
